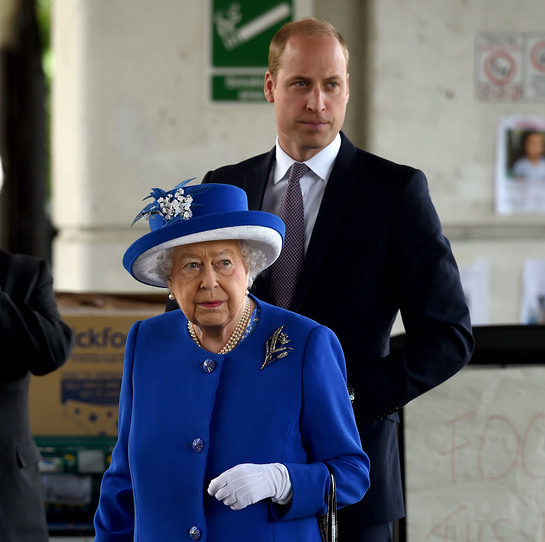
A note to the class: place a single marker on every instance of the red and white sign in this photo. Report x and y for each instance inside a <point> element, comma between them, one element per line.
<point>510,67</point>
<point>535,79</point>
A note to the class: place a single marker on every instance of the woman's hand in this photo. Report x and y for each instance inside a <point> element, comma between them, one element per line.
<point>249,483</point>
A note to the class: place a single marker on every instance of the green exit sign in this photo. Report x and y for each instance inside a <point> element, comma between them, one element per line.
<point>241,33</point>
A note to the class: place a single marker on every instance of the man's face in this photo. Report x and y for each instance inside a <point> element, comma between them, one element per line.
<point>310,93</point>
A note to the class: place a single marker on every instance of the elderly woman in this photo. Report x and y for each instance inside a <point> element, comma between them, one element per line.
<point>232,412</point>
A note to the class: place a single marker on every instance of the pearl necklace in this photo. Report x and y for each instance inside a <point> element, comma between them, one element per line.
<point>237,332</point>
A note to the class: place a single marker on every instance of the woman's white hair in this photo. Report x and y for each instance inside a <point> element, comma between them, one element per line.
<point>252,257</point>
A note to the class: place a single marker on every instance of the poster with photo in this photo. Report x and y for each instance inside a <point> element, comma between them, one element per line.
<point>520,165</point>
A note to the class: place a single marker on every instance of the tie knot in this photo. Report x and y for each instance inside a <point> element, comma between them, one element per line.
<point>297,170</point>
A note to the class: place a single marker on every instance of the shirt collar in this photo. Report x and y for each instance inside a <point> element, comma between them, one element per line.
<point>321,164</point>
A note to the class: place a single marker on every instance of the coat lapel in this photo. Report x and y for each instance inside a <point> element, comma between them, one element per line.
<point>338,193</point>
<point>255,185</point>
<point>257,181</point>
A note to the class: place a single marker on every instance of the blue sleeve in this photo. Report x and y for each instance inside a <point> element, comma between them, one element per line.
<point>114,519</point>
<point>329,432</point>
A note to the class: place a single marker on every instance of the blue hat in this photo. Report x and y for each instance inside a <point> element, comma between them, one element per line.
<point>198,213</point>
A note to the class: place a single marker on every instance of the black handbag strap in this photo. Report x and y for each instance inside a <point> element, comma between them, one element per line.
<point>332,510</point>
<point>328,521</point>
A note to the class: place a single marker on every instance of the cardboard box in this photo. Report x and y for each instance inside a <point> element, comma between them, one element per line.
<point>81,398</point>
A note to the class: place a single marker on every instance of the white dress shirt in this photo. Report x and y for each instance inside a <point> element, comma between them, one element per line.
<point>312,183</point>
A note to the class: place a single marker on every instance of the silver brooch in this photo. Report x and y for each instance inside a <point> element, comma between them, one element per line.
<point>276,347</point>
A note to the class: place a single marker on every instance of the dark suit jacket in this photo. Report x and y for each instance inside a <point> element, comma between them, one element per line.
<point>377,247</point>
<point>33,339</point>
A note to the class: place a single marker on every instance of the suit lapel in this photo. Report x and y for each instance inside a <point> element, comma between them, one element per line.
<point>257,181</point>
<point>340,186</point>
<point>255,186</point>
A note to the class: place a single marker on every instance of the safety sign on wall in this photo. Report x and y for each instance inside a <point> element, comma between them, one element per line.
<point>510,67</point>
<point>241,33</point>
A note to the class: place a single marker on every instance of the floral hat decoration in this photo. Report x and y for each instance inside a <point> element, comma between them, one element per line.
<point>196,213</point>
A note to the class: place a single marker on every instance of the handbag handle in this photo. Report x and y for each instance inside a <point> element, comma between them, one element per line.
<point>328,521</point>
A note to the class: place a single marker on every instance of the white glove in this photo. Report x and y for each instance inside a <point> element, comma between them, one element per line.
<point>249,483</point>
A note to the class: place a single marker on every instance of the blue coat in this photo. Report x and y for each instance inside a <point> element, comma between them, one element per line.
<point>186,415</point>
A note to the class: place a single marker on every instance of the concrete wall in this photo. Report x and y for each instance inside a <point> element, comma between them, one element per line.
<point>423,112</point>
<point>131,111</point>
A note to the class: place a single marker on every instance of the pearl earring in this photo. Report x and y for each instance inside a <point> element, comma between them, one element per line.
<point>171,296</point>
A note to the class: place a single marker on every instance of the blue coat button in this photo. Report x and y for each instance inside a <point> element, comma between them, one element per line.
<point>208,366</point>
<point>198,445</point>
<point>194,533</point>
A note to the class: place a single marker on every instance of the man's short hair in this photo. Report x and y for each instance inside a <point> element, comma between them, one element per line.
<point>309,26</point>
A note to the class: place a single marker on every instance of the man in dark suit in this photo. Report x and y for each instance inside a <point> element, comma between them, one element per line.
<point>33,339</point>
<point>373,246</point>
